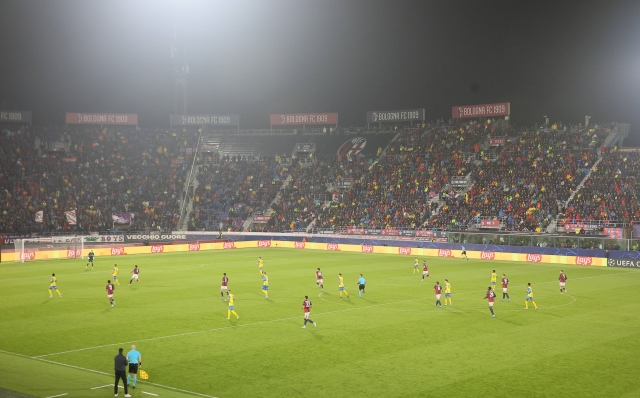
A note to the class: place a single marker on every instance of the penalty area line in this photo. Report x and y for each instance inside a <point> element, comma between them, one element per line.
<point>106,374</point>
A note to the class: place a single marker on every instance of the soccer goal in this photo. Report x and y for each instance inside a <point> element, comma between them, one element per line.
<point>53,248</point>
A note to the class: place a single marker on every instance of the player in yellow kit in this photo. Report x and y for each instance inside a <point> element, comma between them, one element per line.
<point>529,298</point>
<point>114,274</point>
<point>260,264</point>
<point>265,285</point>
<point>494,278</point>
<point>230,310</point>
<point>53,285</point>
<point>447,292</point>
<point>416,266</point>
<point>341,286</point>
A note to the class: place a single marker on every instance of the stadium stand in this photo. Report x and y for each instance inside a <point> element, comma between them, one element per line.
<point>228,193</point>
<point>527,185</point>
<point>313,189</point>
<point>95,171</point>
<point>611,192</point>
<point>395,191</point>
<point>436,177</point>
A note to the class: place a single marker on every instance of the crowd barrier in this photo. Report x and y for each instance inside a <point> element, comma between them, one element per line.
<point>483,255</point>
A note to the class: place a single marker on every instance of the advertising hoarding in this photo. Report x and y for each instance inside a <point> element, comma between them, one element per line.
<point>407,115</point>
<point>483,110</point>
<point>489,223</point>
<point>127,119</point>
<point>204,120</point>
<point>297,119</point>
<point>15,117</point>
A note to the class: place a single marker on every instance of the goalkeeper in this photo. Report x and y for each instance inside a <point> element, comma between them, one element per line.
<point>135,360</point>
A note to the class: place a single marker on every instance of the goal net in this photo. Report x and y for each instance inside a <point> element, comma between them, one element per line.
<point>53,248</point>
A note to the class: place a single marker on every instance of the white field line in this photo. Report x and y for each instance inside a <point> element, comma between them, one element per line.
<point>106,374</point>
<point>106,385</point>
<point>216,329</point>
<point>150,393</point>
<point>59,395</point>
<point>279,320</point>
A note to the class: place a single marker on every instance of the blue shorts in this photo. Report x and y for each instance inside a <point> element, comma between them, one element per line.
<point>53,287</point>
<point>115,278</point>
<point>493,283</point>
<point>447,294</point>
<point>415,266</point>
<point>265,287</point>
<point>230,308</point>
<point>529,298</point>
<point>341,288</point>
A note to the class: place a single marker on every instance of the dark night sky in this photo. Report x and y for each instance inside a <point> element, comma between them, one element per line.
<point>562,58</point>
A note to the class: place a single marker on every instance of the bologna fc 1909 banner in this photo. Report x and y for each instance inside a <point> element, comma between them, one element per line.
<point>130,119</point>
<point>281,119</point>
<point>483,110</point>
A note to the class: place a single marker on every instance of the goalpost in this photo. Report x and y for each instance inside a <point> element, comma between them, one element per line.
<point>53,248</point>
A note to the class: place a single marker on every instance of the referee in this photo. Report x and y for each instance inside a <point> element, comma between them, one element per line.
<point>135,359</point>
<point>361,283</point>
<point>120,366</point>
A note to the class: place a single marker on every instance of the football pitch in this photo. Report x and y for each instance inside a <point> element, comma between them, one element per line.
<point>392,342</point>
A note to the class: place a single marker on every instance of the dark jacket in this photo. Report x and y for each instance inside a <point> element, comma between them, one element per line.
<point>120,363</point>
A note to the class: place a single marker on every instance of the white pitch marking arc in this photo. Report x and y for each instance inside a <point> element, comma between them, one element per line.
<point>59,395</point>
<point>106,385</point>
<point>324,299</point>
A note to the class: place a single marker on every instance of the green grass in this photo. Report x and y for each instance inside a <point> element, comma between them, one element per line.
<point>391,343</point>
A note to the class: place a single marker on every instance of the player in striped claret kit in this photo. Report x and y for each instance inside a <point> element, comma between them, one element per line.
<point>306,306</point>
<point>563,280</point>
<point>224,286</point>
<point>425,270</point>
<point>491,296</point>
<point>505,286</point>
<point>110,288</point>
<point>437,289</point>
<point>319,279</point>
<point>135,274</point>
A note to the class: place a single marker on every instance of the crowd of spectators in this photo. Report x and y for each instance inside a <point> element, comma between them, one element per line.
<point>395,190</point>
<point>526,187</point>
<point>611,192</point>
<point>101,171</point>
<point>230,191</point>
<point>16,154</point>
<point>315,187</point>
<point>95,171</point>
